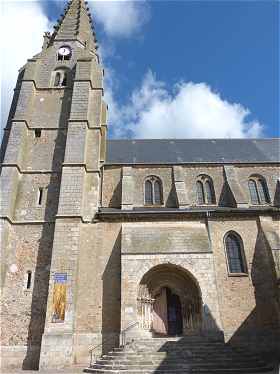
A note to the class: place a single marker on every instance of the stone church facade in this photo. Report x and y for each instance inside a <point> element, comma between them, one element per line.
<point>155,237</point>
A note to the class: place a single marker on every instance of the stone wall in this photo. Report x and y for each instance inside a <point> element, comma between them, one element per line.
<point>27,207</point>
<point>99,290</point>
<point>197,261</point>
<point>23,310</point>
<point>270,173</point>
<point>113,176</point>
<point>112,187</point>
<point>248,306</point>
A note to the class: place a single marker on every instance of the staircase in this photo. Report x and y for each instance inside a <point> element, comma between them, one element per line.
<point>183,355</point>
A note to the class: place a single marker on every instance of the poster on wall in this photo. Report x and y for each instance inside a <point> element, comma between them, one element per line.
<point>59,297</point>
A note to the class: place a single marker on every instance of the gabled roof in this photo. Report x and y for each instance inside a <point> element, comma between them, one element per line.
<point>174,151</point>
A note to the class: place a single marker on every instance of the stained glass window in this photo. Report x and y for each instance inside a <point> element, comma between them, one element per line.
<point>148,192</point>
<point>263,191</point>
<point>153,191</point>
<point>200,192</point>
<point>234,251</point>
<point>157,192</point>
<point>253,191</point>
<point>209,192</point>
<point>258,191</point>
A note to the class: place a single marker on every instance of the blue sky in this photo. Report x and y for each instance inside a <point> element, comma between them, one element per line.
<point>189,54</point>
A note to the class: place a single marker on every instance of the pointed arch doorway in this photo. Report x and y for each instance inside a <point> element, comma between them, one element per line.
<point>169,301</point>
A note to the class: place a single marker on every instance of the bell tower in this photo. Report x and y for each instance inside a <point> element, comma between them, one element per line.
<point>54,146</point>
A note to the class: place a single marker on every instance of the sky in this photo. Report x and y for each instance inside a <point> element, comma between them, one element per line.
<point>173,69</point>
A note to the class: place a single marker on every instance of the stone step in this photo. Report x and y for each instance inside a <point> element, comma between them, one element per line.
<point>169,356</point>
<point>176,341</point>
<point>158,361</point>
<point>192,363</point>
<point>191,358</point>
<point>180,371</point>
<point>156,366</point>
<point>157,347</point>
<point>179,352</point>
<point>183,354</point>
<point>175,347</point>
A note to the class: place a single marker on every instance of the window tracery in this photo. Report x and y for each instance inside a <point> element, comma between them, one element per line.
<point>258,190</point>
<point>205,190</point>
<point>235,254</point>
<point>153,191</point>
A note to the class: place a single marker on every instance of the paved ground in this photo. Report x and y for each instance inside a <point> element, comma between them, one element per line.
<point>62,371</point>
<point>72,370</point>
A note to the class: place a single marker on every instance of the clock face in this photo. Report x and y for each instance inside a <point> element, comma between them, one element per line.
<point>64,51</point>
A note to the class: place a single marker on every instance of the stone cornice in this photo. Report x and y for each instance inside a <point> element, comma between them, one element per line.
<point>26,171</point>
<point>89,126</point>
<point>188,214</point>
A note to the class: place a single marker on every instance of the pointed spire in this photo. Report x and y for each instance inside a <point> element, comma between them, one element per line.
<point>76,24</point>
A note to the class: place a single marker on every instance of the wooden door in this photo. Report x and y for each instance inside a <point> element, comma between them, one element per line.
<point>174,314</point>
<point>160,322</point>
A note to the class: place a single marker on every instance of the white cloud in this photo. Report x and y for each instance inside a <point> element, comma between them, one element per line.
<point>22,26</point>
<point>190,110</point>
<point>25,22</point>
<point>120,18</point>
<point>153,111</point>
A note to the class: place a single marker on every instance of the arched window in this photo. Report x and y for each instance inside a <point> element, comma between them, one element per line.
<point>200,192</point>
<point>235,253</point>
<point>61,78</point>
<point>64,80</point>
<point>148,192</point>
<point>57,79</point>
<point>157,192</point>
<point>209,192</point>
<point>258,190</point>
<point>153,191</point>
<point>205,190</point>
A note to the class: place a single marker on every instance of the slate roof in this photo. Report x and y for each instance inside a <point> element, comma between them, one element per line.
<point>176,151</point>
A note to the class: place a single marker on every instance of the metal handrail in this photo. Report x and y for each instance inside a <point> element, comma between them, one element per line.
<point>123,342</point>
<point>124,331</point>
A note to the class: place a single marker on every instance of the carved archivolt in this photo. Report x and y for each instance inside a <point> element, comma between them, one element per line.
<point>182,284</point>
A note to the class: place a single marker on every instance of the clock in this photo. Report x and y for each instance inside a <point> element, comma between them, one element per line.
<point>64,51</point>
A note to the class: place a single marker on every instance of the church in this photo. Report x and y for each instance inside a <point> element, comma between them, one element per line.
<point>106,244</point>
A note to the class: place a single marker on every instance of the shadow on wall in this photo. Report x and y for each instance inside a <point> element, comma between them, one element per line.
<point>277,195</point>
<point>207,352</point>
<point>227,198</point>
<point>171,201</point>
<point>43,261</point>
<point>115,201</point>
<point>260,331</point>
<point>111,299</point>
<point>6,134</point>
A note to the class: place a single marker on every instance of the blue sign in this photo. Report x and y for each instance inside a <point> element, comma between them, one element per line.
<point>60,277</point>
